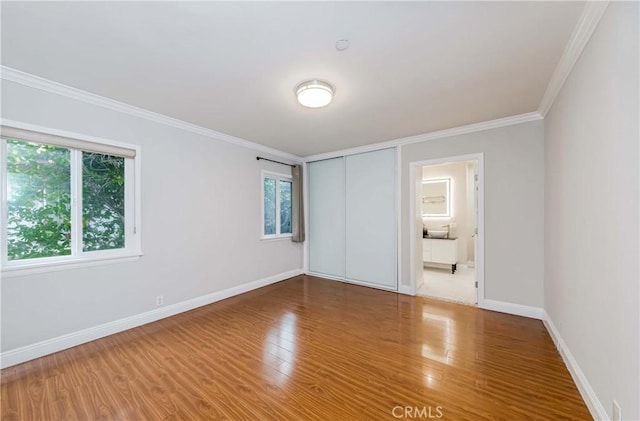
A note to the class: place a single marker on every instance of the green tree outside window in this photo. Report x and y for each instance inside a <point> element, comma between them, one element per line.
<point>39,201</point>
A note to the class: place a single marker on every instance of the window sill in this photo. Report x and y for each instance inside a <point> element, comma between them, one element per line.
<point>77,263</point>
<point>276,237</point>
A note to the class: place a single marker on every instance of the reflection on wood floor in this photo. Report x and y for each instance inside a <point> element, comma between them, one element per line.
<point>306,349</point>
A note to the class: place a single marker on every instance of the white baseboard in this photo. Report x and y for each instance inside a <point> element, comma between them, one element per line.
<point>588,395</point>
<point>405,289</point>
<point>49,346</point>
<point>510,308</point>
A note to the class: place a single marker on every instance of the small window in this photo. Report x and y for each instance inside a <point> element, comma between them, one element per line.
<point>276,205</point>
<point>67,201</point>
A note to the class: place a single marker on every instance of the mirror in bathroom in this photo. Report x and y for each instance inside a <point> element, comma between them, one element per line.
<point>436,198</point>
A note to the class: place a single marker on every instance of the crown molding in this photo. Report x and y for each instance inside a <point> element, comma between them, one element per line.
<point>455,131</point>
<point>27,79</point>
<point>587,23</point>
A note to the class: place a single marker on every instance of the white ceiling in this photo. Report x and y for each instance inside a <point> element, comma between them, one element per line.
<point>412,67</point>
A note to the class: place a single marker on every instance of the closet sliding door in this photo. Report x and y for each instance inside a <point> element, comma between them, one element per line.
<point>370,218</point>
<point>327,217</point>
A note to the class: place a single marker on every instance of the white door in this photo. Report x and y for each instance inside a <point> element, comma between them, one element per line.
<point>475,232</point>
<point>326,217</point>
<point>371,218</point>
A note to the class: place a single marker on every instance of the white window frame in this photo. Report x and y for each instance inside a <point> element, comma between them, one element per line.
<point>78,258</point>
<point>278,177</point>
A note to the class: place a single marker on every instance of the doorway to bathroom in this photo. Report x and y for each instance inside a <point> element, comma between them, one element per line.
<point>447,252</point>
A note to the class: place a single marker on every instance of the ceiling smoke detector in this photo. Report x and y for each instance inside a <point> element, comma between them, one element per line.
<point>342,44</point>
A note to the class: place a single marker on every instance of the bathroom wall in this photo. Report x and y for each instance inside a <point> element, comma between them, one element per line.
<point>457,172</point>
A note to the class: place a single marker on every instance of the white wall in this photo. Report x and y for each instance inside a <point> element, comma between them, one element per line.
<point>200,225</point>
<point>591,211</point>
<point>457,172</point>
<point>514,193</point>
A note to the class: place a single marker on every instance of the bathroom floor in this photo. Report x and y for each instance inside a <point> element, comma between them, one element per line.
<point>458,287</point>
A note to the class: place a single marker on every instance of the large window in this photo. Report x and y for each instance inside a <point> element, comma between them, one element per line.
<point>65,200</point>
<point>276,205</point>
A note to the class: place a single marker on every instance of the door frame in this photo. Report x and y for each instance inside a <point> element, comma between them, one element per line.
<point>479,252</point>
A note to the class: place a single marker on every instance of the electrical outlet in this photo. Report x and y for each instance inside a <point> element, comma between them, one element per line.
<point>617,412</point>
<point>159,300</point>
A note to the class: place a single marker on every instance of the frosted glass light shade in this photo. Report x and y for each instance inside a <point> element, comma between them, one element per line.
<point>314,93</point>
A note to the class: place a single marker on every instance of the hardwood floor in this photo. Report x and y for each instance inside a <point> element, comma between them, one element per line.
<point>306,349</point>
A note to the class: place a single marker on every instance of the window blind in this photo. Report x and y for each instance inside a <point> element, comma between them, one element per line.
<point>66,142</point>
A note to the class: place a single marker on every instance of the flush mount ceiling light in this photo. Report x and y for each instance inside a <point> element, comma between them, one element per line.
<point>314,93</point>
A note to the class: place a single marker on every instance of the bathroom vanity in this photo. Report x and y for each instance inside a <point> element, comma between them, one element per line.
<point>440,250</point>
